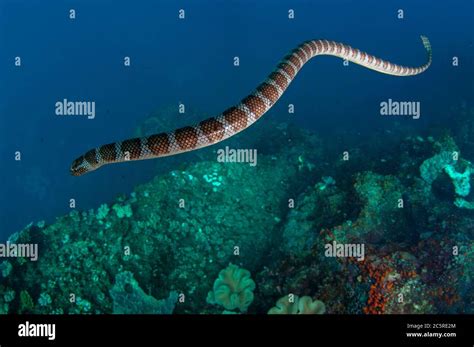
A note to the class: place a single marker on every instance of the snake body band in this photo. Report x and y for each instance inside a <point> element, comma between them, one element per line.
<point>240,116</point>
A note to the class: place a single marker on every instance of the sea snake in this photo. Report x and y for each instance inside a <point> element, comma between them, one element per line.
<point>241,116</point>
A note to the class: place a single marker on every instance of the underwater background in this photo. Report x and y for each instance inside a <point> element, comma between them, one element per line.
<point>127,246</point>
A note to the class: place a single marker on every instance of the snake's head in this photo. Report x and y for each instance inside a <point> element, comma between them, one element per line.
<point>78,167</point>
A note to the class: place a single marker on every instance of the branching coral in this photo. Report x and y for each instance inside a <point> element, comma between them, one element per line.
<point>102,211</point>
<point>123,211</point>
<point>233,289</point>
<point>292,304</point>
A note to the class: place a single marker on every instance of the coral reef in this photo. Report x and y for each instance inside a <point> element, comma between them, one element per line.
<point>317,208</point>
<point>160,248</point>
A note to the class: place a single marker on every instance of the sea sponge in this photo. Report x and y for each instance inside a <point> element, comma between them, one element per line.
<point>233,289</point>
<point>292,304</point>
<point>129,298</point>
<point>461,181</point>
<point>431,168</point>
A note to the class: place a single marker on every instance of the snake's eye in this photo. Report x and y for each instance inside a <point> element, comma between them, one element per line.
<point>76,163</point>
<point>75,167</point>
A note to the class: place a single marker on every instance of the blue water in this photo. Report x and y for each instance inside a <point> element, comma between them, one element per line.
<point>191,61</point>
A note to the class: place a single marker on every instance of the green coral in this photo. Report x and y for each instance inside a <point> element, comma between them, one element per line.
<point>462,203</point>
<point>26,302</point>
<point>213,178</point>
<point>103,211</point>
<point>233,289</point>
<point>5,268</point>
<point>123,211</point>
<point>3,308</point>
<point>9,295</point>
<point>293,304</point>
<point>83,305</point>
<point>325,182</point>
<point>44,299</point>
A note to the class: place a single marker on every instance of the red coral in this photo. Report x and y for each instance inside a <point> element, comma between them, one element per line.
<point>381,273</point>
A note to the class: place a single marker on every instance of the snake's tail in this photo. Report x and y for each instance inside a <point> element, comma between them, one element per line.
<point>427,44</point>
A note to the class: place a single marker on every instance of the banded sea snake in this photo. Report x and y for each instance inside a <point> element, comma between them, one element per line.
<point>241,116</point>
